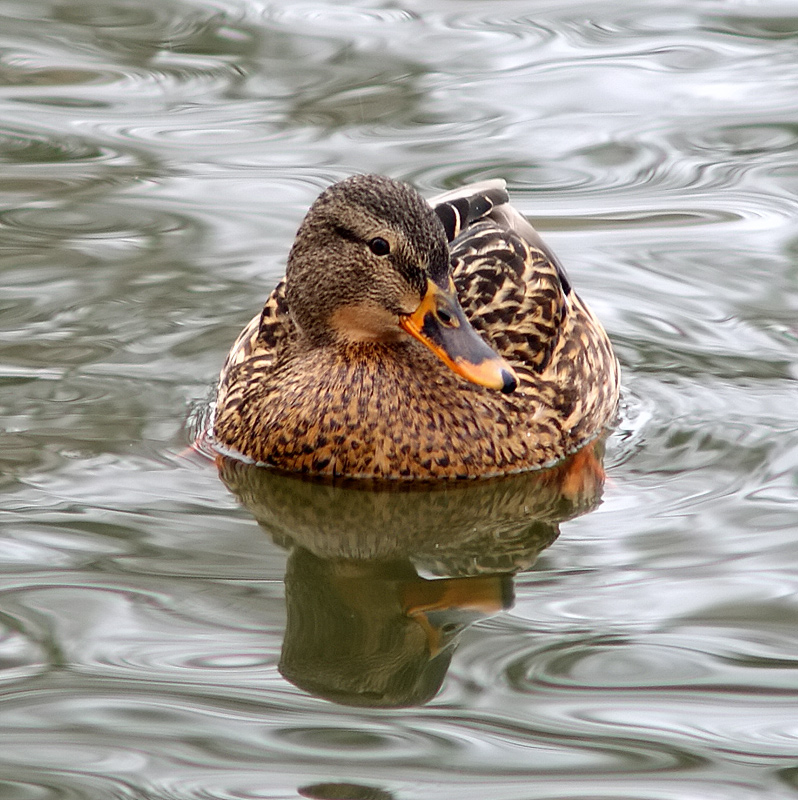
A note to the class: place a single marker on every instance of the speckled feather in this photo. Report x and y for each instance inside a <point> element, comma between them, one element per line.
<point>393,410</point>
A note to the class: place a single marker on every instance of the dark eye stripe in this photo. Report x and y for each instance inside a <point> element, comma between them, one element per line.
<point>451,222</point>
<point>345,233</point>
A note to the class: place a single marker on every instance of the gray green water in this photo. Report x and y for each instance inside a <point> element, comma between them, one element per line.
<point>155,160</point>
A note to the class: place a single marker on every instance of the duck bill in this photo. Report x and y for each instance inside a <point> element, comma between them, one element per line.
<point>486,594</point>
<point>440,324</point>
<point>454,603</point>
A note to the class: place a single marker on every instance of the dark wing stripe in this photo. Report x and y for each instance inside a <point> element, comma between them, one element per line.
<point>461,206</point>
<point>480,206</point>
<point>460,213</point>
<point>448,216</point>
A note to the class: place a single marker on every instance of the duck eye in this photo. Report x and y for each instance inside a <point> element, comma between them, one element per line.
<point>379,246</point>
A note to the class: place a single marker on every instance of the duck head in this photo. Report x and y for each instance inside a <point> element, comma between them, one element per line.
<point>370,263</point>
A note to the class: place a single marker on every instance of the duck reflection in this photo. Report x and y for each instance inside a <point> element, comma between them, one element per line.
<point>363,626</point>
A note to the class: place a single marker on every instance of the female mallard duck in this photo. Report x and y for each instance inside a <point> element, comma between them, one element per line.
<point>414,340</point>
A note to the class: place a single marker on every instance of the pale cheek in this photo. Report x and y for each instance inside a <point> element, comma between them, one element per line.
<point>366,323</point>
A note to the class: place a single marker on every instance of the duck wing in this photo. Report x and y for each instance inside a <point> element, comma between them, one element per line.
<point>264,335</point>
<point>512,287</point>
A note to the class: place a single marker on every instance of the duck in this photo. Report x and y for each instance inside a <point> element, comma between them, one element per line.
<point>415,340</point>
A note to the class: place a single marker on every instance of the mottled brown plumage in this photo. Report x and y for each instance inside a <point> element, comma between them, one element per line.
<point>328,381</point>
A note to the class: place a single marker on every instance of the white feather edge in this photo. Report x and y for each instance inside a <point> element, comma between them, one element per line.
<point>469,190</point>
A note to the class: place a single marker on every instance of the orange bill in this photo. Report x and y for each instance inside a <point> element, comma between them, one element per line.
<point>487,594</point>
<point>440,324</point>
<point>444,607</point>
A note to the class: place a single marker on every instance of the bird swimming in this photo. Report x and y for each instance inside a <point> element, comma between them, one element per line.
<point>417,340</point>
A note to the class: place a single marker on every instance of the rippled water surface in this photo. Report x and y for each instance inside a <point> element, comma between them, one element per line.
<point>167,634</point>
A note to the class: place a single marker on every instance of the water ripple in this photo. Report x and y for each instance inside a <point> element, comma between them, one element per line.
<point>46,164</point>
<point>606,664</point>
<point>21,657</point>
<point>332,18</point>
<point>55,786</point>
<point>368,742</point>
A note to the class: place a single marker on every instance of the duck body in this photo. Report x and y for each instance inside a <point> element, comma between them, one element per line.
<point>461,352</point>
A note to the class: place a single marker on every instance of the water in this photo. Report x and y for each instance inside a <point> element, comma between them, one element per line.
<point>155,159</point>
